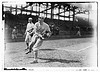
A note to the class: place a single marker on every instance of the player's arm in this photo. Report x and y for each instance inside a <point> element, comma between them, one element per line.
<point>47,31</point>
<point>34,29</point>
<point>26,29</point>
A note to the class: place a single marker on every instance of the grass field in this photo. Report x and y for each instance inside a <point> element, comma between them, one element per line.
<point>78,52</point>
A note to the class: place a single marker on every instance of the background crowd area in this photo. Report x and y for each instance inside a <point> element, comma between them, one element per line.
<point>58,27</point>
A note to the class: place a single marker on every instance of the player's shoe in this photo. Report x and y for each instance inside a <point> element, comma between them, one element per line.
<point>29,51</point>
<point>35,61</point>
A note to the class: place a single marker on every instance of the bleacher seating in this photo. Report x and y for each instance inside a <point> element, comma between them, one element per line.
<point>65,27</point>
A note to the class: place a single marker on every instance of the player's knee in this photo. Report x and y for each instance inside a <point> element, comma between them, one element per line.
<point>35,49</point>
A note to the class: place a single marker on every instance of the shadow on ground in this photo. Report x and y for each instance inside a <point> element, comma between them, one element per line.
<point>47,49</point>
<point>60,60</point>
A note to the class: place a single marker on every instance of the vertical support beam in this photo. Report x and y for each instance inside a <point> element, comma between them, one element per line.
<point>58,14</point>
<point>31,9</point>
<point>11,8</point>
<point>44,11</point>
<point>39,8</point>
<point>52,10</point>
<point>16,10</point>
<point>21,8</point>
<point>69,12</point>
<point>73,15</point>
<point>36,9</point>
<point>88,17</point>
<point>46,8</point>
<point>73,21</point>
<point>64,13</point>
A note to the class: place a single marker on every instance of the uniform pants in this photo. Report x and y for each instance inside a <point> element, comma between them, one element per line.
<point>14,36</point>
<point>78,33</point>
<point>36,42</point>
<point>28,37</point>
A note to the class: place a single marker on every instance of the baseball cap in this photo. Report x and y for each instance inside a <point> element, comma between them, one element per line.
<point>29,18</point>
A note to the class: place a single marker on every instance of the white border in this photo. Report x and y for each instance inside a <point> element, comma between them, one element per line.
<point>53,69</point>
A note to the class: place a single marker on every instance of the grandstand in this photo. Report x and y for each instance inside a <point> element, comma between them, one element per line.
<point>62,14</point>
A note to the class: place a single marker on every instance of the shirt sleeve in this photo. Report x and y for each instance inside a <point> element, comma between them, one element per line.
<point>36,26</point>
<point>27,28</point>
<point>33,25</point>
<point>34,30</point>
<point>48,28</point>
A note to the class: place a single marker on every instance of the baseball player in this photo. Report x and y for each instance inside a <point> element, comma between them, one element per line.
<point>78,31</point>
<point>42,30</point>
<point>28,32</point>
<point>14,33</point>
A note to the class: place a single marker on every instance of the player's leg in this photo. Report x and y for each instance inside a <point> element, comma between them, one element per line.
<point>79,33</point>
<point>35,57</point>
<point>31,44</point>
<point>36,49</point>
<point>16,36</point>
<point>30,47</point>
<point>27,40</point>
<point>12,36</point>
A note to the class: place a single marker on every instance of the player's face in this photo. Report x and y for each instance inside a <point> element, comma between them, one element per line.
<point>40,19</point>
<point>29,21</point>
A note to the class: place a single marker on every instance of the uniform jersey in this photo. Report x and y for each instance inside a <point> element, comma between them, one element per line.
<point>14,31</point>
<point>29,29</point>
<point>42,28</point>
<point>37,38</point>
<point>30,26</point>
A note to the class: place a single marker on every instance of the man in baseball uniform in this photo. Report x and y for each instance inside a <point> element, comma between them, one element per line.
<point>28,32</point>
<point>14,33</point>
<point>78,31</point>
<point>41,31</point>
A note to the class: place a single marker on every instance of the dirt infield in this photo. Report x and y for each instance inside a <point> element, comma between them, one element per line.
<point>81,52</point>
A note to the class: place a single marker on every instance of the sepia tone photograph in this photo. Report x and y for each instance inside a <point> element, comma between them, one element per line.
<point>50,34</point>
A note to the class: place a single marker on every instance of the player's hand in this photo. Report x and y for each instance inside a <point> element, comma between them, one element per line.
<point>48,34</point>
<point>25,33</point>
<point>45,35</point>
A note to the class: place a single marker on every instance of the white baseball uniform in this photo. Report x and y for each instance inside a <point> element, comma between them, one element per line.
<point>14,33</point>
<point>30,27</point>
<point>37,39</point>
